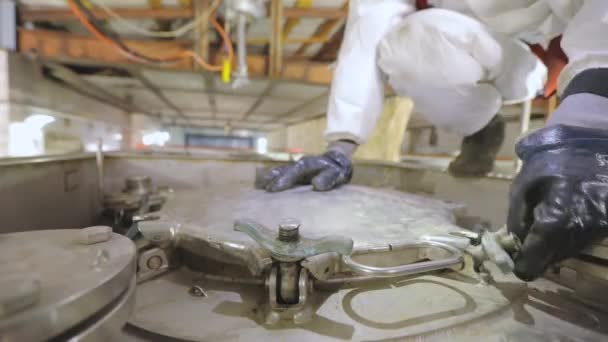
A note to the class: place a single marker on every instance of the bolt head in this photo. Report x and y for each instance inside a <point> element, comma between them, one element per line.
<point>155,262</point>
<point>289,230</point>
<point>290,224</point>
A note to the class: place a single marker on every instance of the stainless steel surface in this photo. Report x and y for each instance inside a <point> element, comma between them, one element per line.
<point>453,258</point>
<point>48,193</point>
<point>202,222</point>
<point>24,292</point>
<point>196,222</point>
<point>369,216</point>
<point>445,307</point>
<point>213,175</point>
<point>108,325</point>
<point>76,281</point>
<point>421,309</point>
<point>45,159</point>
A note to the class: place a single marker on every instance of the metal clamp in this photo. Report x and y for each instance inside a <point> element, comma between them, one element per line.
<point>454,258</point>
<point>497,247</point>
<point>288,282</point>
<point>300,311</point>
<point>287,245</point>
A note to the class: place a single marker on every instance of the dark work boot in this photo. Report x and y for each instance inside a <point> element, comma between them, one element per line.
<point>478,151</point>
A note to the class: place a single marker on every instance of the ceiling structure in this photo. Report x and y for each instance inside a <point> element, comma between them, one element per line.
<point>290,52</point>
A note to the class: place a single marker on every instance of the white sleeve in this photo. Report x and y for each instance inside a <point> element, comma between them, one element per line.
<point>585,40</point>
<point>357,89</point>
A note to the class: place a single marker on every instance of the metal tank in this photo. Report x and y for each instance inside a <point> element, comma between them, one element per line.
<point>67,284</point>
<point>370,261</point>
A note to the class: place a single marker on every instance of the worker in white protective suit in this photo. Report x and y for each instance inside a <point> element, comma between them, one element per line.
<point>460,62</point>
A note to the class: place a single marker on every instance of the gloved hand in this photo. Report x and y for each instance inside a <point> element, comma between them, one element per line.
<point>324,172</point>
<point>559,200</point>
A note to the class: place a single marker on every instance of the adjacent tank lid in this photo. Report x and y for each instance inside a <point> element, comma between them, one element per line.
<point>53,280</point>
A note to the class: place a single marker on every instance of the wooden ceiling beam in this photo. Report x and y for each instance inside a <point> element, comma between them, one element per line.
<point>165,13</point>
<point>329,50</point>
<point>276,38</point>
<point>58,45</point>
<point>63,14</point>
<point>219,123</point>
<point>74,48</point>
<point>322,32</point>
<point>314,12</point>
<point>292,23</point>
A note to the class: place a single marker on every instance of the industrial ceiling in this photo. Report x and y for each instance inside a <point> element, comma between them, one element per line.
<point>290,52</point>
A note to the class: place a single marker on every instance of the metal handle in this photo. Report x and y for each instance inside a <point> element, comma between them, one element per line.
<point>455,258</point>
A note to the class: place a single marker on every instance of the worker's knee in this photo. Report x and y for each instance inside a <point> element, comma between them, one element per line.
<point>440,47</point>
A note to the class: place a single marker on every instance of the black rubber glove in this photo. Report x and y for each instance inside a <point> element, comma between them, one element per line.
<point>559,200</point>
<point>324,172</point>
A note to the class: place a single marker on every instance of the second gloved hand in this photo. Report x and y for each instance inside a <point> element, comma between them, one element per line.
<point>559,200</point>
<point>324,172</point>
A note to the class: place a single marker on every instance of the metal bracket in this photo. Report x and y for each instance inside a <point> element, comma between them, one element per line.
<point>154,262</point>
<point>300,312</point>
<point>172,235</point>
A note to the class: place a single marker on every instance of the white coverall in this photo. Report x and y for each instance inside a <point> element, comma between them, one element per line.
<point>459,61</point>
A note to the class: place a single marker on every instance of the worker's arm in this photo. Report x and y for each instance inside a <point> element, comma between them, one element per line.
<point>559,200</point>
<point>355,102</point>
<point>357,89</point>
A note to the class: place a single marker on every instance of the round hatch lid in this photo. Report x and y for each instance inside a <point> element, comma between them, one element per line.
<point>369,216</point>
<point>53,280</point>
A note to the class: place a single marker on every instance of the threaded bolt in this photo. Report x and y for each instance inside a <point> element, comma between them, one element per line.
<point>289,230</point>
